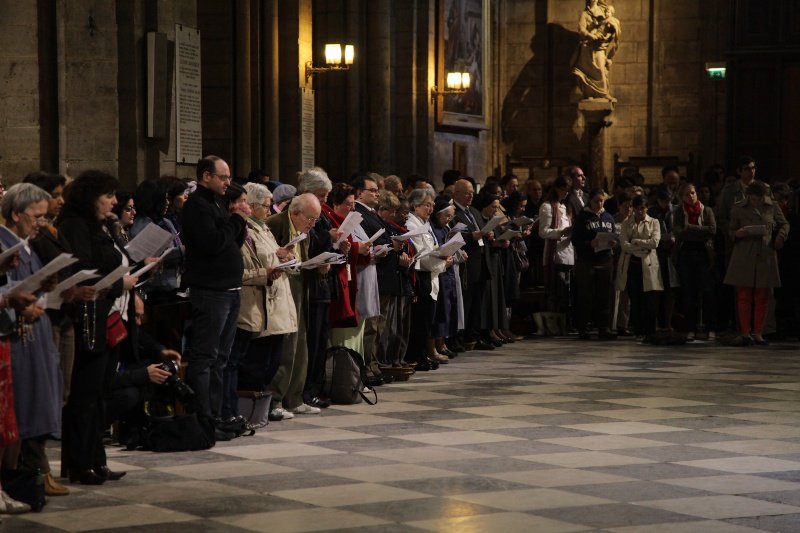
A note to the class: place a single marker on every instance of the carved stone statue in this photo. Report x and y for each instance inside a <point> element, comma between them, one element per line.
<point>599,31</point>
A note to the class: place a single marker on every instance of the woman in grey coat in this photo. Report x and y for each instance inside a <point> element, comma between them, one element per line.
<point>758,229</point>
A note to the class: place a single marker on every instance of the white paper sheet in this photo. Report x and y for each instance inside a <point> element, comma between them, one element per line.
<point>376,235</point>
<point>150,242</point>
<point>111,278</point>
<point>145,269</point>
<point>11,249</point>
<point>413,233</point>
<point>380,250</point>
<point>509,234</point>
<point>759,229</point>
<point>458,228</point>
<point>325,258</point>
<point>350,222</point>
<point>291,263</point>
<point>493,223</point>
<point>451,246</point>
<point>294,241</point>
<point>604,240</point>
<point>54,300</point>
<point>524,221</point>
<point>33,282</point>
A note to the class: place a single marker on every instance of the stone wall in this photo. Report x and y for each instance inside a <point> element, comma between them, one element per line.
<point>666,105</point>
<point>19,91</point>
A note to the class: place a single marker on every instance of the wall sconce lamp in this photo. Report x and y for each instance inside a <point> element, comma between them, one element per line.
<point>455,83</point>
<point>334,59</point>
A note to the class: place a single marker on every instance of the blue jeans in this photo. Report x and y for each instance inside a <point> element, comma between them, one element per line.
<point>214,316</point>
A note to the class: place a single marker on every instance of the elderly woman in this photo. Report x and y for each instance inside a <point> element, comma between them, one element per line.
<point>34,357</point>
<point>89,202</point>
<point>638,269</point>
<point>267,312</point>
<point>695,226</point>
<point>758,228</point>
<point>321,288</point>
<point>421,342</point>
<point>346,328</point>
<point>449,316</point>
<point>394,284</point>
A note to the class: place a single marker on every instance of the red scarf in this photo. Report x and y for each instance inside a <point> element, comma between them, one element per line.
<point>693,212</point>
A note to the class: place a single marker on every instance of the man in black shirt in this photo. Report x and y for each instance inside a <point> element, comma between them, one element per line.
<point>213,237</point>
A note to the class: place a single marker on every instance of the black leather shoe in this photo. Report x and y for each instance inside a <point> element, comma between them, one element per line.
<point>434,364</point>
<point>316,401</point>
<point>387,378</point>
<point>221,435</point>
<point>483,345</point>
<point>86,477</point>
<point>109,475</point>
<point>374,381</point>
<point>423,366</point>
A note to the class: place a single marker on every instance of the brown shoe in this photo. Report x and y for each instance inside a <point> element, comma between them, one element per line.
<point>53,487</point>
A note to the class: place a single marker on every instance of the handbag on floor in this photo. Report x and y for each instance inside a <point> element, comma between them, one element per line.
<point>346,377</point>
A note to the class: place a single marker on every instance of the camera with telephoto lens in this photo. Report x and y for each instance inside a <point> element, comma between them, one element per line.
<point>174,381</point>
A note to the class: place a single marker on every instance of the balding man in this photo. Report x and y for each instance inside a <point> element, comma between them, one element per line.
<point>477,264</point>
<point>288,383</point>
<point>213,237</point>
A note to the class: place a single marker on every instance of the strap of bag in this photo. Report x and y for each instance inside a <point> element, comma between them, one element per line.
<point>366,398</point>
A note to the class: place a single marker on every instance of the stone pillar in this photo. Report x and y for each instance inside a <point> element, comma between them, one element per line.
<point>379,74</point>
<point>595,113</point>
<point>243,123</point>
<point>295,38</point>
<point>270,104</point>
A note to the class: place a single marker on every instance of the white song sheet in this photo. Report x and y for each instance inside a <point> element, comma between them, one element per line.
<point>11,249</point>
<point>111,278</point>
<point>33,282</point>
<point>349,224</point>
<point>150,242</point>
<point>54,300</point>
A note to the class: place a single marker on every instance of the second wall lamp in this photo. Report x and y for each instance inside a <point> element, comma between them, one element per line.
<point>337,57</point>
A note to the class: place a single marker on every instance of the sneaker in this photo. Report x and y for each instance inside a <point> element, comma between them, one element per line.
<point>279,413</point>
<point>9,505</point>
<point>712,336</point>
<point>305,409</point>
<point>690,336</point>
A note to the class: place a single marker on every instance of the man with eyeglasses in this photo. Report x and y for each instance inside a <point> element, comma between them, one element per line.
<point>368,296</point>
<point>289,381</point>
<point>213,237</point>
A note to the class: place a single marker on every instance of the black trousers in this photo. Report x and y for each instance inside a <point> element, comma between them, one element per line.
<point>593,298</point>
<point>644,305</point>
<point>317,335</point>
<point>259,365</point>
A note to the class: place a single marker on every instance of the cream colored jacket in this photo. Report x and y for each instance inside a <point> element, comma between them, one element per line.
<point>640,239</point>
<point>265,309</point>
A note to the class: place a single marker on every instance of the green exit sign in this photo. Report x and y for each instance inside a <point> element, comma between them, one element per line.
<point>716,70</point>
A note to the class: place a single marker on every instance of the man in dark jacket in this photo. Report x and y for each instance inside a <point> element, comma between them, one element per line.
<point>213,237</point>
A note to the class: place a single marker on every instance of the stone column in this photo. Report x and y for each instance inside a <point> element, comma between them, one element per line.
<point>595,113</point>
<point>379,74</point>
<point>243,135</point>
<point>270,104</point>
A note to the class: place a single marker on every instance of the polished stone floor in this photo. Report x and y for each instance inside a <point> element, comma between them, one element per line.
<point>540,436</point>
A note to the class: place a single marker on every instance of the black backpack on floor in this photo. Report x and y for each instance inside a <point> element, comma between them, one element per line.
<point>345,377</point>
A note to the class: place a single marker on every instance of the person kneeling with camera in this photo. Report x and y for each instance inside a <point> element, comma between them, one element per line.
<point>143,363</point>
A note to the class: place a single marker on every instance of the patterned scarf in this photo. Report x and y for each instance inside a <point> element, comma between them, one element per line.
<point>693,212</point>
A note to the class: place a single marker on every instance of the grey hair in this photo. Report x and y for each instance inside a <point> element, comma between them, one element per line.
<point>18,197</point>
<point>302,201</point>
<point>257,193</point>
<point>417,196</point>
<point>313,179</point>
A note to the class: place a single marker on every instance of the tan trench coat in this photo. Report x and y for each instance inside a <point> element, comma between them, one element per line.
<point>640,239</point>
<point>754,262</point>
<point>265,309</point>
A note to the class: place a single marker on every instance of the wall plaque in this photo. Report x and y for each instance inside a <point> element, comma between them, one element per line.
<point>189,146</point>
<point>307,155</point>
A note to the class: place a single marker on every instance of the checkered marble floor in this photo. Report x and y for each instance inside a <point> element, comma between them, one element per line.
<point>540,436</point>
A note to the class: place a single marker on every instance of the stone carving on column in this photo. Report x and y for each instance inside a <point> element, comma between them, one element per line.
<point>599,33</point>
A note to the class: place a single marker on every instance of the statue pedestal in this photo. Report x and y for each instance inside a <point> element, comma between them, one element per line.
<point>595,115</point>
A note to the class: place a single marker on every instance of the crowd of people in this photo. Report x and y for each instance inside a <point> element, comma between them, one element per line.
<point>409,278</point>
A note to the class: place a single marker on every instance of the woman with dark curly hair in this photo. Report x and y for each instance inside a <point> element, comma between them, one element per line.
<point>83,227</point>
